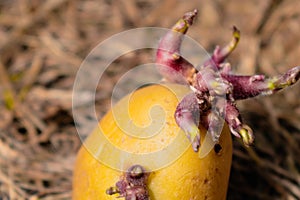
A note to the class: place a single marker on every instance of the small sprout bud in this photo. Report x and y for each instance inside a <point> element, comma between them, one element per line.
<point>247,136</point>
<point>136,171</point>
<point>187,20</point>
<point>176,56</point>
<point>189,16</point>
<point>285,80</point>
<point>132,185</point>
<point>112,190</point>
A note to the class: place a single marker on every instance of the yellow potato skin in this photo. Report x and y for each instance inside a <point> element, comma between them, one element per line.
<point>187,178</point>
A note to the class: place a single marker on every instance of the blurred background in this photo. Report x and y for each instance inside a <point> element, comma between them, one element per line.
<point>42,45</point>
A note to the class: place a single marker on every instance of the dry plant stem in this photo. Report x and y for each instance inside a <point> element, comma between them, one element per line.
<point>214,85</point>
<point>268,12</point>
<point>13,99</point>
<point>28,22</point>
<point>272,172</point>
<point>30,122</point>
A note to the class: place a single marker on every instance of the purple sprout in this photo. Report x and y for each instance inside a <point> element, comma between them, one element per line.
<point>214,85</point>
<point>132,185</point>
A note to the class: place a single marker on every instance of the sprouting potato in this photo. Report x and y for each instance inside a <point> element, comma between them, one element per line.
<point>187,177</point>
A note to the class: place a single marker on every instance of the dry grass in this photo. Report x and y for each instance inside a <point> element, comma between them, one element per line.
<point>42,44</point>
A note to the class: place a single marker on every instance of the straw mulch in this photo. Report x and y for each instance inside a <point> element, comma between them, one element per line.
<point>42,44</point>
